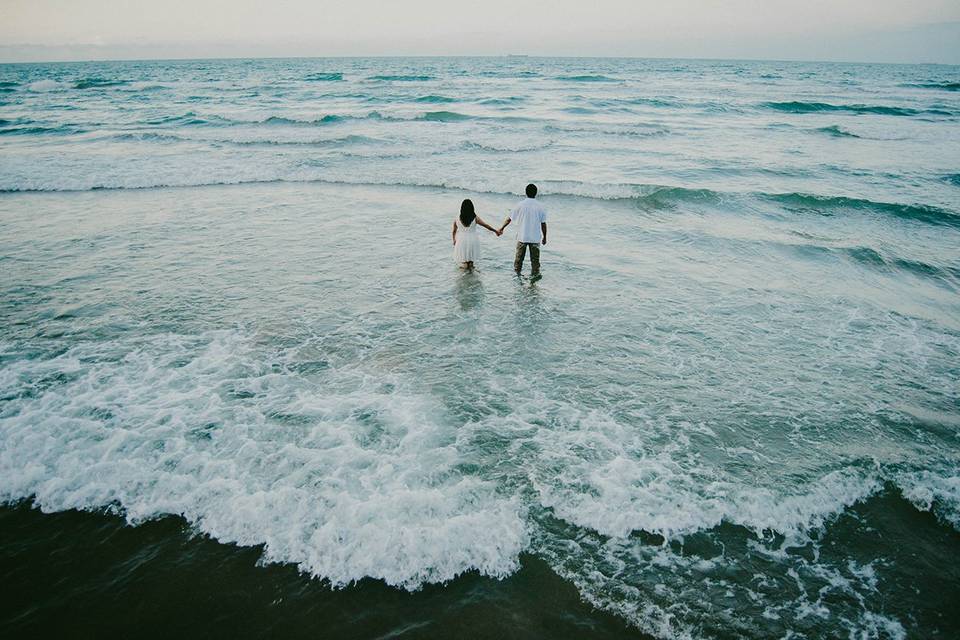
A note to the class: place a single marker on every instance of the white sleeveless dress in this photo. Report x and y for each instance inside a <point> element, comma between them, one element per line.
<point>467,248</point>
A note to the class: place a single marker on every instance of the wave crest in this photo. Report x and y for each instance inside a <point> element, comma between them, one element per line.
<point>586,78</point>
<point>401,78</point>
<point>837,132</point>
<point>324,77</point>
<point>97,83</point>
<point>823,107</point>
<point>180,425</point>
<point>943,86</point>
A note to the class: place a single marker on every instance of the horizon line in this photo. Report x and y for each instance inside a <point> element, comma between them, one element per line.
<point>491,56</point>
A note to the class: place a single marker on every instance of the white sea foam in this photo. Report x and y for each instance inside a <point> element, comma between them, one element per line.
<point>670,593</point>
<point>933,491</point>
<point>874,625</point>
<point>41,86</point>
<point>612,482</point>
<point>354,479</point>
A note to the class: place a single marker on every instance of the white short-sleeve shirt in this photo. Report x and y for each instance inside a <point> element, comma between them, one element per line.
<point>528,216</point>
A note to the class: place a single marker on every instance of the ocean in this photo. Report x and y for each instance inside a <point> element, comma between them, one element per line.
<point>245,391</point>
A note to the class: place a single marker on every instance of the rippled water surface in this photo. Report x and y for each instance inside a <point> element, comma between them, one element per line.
<point>729,409</point>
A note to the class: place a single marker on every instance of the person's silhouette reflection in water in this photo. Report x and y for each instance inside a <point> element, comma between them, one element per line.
<point>469,290</point>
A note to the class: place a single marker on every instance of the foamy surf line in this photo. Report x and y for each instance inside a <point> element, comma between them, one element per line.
<point>652,194</point>
<point>154,438</point>
<point>369,487</point>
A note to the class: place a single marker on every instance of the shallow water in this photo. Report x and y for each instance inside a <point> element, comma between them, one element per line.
<point>729,409</point>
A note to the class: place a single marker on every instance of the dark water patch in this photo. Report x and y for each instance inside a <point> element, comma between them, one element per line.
<point>858,567</point>
<point>502,101</point>
<point>943,86</point>
<point>432,99</point>
<point>8,86</point>
<point>946,273</point>
<point>870,257</point>
<point>445,116</point>
<point>824,107</point>
<point>939,110</point>
<point>836,132</point>
<point>652,102</point>
<point>62,130</point>
<point>507,74</point>
<point>147,136</point>
<point>190,119</point>
<point>865,255</point>
<point>648,196</point>
<point>97,83</point>
<point>953,178</point>
<point>324,77</point>
<point>579,110</point>
<point>876,529</point>
<point>586,78</point>
<point>282,120</point>
<point>401,78</point>
<point>329,119</point>
<point>831,204</point>
<point>668,197</point>
<point>90,571</point>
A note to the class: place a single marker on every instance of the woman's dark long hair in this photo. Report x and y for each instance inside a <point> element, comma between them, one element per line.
<point>467,214</point>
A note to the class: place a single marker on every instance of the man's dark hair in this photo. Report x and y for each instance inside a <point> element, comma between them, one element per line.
<point>531,191</point>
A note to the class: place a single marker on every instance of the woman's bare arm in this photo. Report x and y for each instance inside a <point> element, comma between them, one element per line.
<point>454,232</point>
<point>486,226</point>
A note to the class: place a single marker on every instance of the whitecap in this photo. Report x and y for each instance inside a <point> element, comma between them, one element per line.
<point>346,476</point>
<point>45,85</point>
<point>935,492</point>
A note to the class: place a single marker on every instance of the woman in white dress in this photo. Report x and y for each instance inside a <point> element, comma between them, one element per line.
<point>466,242</point>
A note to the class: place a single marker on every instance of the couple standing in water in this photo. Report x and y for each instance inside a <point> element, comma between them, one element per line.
<point>531,219</point>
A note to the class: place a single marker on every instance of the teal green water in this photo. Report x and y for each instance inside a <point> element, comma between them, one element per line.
<point>729,409</point>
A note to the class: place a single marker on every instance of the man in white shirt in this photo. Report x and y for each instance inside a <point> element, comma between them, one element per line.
<point>531,220</point>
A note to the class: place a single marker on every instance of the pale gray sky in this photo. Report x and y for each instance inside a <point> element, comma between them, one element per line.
<point>868,30</point>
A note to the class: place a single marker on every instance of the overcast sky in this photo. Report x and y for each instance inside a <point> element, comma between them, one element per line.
<point>865,30</point>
